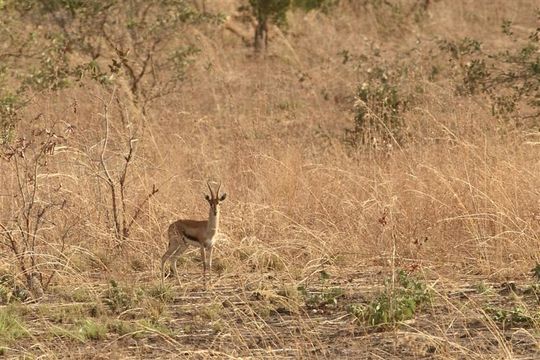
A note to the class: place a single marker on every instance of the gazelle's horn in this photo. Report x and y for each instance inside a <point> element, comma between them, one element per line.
<point>210,188</point>
<point>217,191</point>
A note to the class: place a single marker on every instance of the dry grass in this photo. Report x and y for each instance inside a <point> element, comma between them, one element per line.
<point>457,206</point>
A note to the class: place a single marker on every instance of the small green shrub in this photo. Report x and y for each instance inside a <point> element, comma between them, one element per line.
<point>118,299</point>
<point>218,326</point>
<point>121,327</point>
<point>379,109</point>
<point>163,293</point>
<point>395,304</point>
<point>482,287</point>
<point>92,330</point>
<point>516,316</point>
<point>357,310</point>
<point>510,77</point>
<point>82,295</point>
<point>327,297</point>
<point>212,311</point>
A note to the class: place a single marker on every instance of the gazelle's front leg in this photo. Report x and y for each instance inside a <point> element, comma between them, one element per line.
<point>203,257</point>
<point>210,252</point>
<point>172,254</point>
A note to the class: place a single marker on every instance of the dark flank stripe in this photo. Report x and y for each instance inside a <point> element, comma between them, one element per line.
<point>189,237</point>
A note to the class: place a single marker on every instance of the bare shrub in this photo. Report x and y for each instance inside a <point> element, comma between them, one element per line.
<point>34,224</point>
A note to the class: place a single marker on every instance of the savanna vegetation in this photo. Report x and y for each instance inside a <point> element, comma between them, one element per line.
<point>381,160</point>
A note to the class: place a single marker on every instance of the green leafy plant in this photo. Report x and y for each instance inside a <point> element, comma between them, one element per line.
<point>212,312</point>
<point>275,11</point>
<point>122,327</point>
<point>516,316</point>
<point>510,77</point>
<point>163,293</point>
<point>483,288</point>
<point>327,297</point>
<point>398,302</point>
<point>118,299</point>
<point>379,108</point>
<point>264,12</point>
<point>111,42</point>
<point>91,330</point>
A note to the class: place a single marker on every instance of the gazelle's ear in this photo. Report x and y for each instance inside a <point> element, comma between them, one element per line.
<point>207,197</point>
<point>223,197</point>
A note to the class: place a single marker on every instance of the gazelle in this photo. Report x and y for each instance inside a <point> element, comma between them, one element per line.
<point>198,233</point>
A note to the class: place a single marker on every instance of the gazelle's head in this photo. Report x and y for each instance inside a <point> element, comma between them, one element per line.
<point>215,200</point>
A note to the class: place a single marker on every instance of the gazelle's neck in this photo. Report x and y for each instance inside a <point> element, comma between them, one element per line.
<point>213,223</point>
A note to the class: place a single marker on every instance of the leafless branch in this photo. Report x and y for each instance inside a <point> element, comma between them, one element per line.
<point>122,182</point>
<point>109,179</point>
<point>139,208</point>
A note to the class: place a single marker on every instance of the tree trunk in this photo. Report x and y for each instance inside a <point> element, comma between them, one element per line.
<point>261,35</point>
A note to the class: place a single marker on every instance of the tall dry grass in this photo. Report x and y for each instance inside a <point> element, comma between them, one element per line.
<point>460,197</point>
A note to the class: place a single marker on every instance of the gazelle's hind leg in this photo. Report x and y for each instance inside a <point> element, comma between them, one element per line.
<point>171,253</point>
<point>175,256</point>
<point>164,258</point>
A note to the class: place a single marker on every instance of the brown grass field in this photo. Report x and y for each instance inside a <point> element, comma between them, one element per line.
<point>413,249</point>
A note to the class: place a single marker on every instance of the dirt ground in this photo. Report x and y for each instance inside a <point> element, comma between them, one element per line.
<point>239,317</point>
